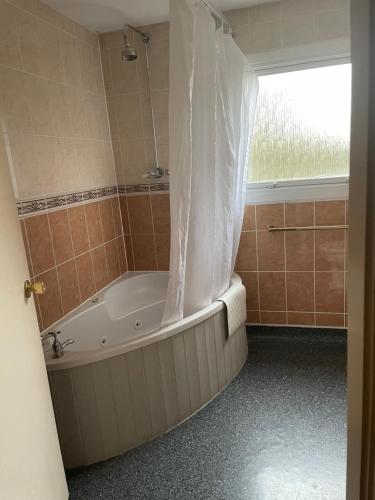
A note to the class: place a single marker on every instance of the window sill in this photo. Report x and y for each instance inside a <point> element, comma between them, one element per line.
<point>321,189</point>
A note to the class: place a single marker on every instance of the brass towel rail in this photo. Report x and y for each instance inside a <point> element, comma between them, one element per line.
<point>273,229</point>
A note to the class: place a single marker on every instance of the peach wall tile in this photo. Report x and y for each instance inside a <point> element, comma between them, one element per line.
<point>124,214</point>
<point>253,317</point>
<point>300,318</point>
<point>144,252</point>
<point>113,265</point>
<point>299,214</point>
<point>78,229</point>
<point>26,245</point>
<point>67,275</point>
<point>161,213</point>
<point>299,251</point>
<point>273,317</point>
<point>246,257</point>
<point>300,291</point>
<point>129,252</point>
<point>116,216</point>
<point>330,320</point>
<point>50,302</point>
<point>163,242</point>
<point>40,243</point>
<point>329,213</point>
<point>61,239</point>
<point>330,250</point>
<point>269,215</point>
<point>121,254</point>
<point>272,291</point>
<point>99,263</point>
<point>85,274</point>
<point>271,255</point>
<point>93,224</point>
<point>249,218</point>
<point>106,217</point>
<point>250,281</point>
<point>140,214</point>
<point>329,292</point>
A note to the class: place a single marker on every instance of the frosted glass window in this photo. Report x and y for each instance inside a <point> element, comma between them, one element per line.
<point>302,125</point>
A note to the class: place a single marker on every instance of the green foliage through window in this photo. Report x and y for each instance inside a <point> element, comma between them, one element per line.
<point>302,125</point>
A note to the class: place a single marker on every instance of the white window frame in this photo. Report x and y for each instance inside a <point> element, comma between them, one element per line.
<point>297,190</point>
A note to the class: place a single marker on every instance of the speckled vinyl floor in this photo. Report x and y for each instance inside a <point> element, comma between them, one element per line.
<point>278,432</point>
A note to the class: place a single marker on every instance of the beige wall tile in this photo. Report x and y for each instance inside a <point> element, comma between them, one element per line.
<point>9,44</point>
<point>295,7</point>
<point>159,64</point>
<point>334,24</point>
<point>265,36</point>
<point>50,165</point>
<point>146,115</point>
<point>237,17</point>
<point>16,112</point>
<point>241,35</point>
<point>160,102</point>
<point>297,30</point>
<point>123,75</point>
<point>265,13</point>
<point>329,5</point>
<point>129,119</point>
<point>24,161</point>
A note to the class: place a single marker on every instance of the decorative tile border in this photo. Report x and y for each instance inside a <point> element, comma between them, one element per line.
<point>30,207</point>
<point>159,187</point>
<point>34,206</point>
<point>143,188</point>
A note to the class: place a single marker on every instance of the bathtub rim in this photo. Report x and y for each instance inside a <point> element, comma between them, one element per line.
<point>72,359</point>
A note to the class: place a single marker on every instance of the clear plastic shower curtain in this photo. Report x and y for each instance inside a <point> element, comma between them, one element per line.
<point>213,94</point>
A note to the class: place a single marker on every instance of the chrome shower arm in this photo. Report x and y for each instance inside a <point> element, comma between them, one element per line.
<point>145,36</point>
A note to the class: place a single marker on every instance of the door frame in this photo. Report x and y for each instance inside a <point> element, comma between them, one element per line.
<point>361,279</point>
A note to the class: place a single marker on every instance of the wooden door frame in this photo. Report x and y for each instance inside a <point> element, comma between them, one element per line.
<point>361,279</point>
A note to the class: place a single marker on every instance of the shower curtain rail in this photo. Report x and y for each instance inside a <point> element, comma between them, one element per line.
<point>218,16</point>
<point>273,229</point>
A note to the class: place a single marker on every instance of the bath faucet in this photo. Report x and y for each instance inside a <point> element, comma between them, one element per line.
<point>57,346</point>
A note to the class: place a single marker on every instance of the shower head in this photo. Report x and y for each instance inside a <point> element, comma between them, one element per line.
<point>129,53</point>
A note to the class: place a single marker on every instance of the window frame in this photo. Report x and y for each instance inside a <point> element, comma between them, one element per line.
<point>296,190</point>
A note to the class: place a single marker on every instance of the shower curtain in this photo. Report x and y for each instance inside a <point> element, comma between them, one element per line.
<point>213,94</point>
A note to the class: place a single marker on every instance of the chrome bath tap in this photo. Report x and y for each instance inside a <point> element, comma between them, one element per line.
<point>57,346</point>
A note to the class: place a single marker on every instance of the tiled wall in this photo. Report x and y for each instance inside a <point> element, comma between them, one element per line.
<point>289,23</point>
<point>53,108</point>
<point>296,278</point>
<point>75,251</point>
<point>56,130</point>
<point>129,91</point>
<point>261,28</point>
<point>52,102</point>
<point>146,222</point>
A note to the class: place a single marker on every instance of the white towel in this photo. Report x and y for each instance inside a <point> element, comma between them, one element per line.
<point>235,303</point>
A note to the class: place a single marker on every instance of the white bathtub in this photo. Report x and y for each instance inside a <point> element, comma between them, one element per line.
<point>126,380</point>
<point>128,309</point>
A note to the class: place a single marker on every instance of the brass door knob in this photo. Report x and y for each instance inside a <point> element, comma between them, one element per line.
<point>38,288</point>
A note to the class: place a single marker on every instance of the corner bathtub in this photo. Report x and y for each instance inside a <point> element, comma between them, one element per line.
<point>126,380</point>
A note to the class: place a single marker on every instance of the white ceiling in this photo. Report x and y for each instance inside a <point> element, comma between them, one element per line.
<point>108,15</point>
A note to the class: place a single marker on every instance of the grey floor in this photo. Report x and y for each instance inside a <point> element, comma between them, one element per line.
<point>278,432</point>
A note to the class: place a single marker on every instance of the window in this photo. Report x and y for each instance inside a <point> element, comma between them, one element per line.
<point>302,125</point>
